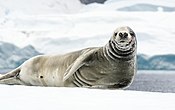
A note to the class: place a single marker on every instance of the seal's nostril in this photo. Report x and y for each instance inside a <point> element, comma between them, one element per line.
<point>125,35</point>
<point>120,34</point>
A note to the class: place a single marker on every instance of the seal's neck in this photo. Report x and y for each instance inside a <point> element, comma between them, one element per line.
<point>111,51</point>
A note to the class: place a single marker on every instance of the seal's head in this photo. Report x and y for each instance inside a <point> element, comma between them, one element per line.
<point>124,37</point>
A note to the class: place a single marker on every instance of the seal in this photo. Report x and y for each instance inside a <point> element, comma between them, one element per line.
<point>112,66</point>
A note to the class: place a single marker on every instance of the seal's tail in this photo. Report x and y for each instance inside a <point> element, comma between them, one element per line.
<point>11,77</point>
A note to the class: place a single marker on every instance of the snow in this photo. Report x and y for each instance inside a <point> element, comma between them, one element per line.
<point>45,98</point>
<point>131,2</point>
<point>54,98</point>
<point>40,7</point>
<point>44,25</point>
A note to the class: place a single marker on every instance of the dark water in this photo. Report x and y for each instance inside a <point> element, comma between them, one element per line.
<point>152,81</point>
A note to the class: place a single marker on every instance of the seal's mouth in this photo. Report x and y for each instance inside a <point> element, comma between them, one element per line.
<point>124,44</point>
<point>122,41</point>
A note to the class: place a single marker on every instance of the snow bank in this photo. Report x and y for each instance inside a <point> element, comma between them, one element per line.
<point>49,20</point>
<point>50,98</point>
<point>39,7</point>
<point>45,25</point>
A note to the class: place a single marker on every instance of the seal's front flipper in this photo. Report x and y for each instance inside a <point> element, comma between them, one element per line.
<point>115,86</point>
<point>83,59</point>
<point>72,69</point>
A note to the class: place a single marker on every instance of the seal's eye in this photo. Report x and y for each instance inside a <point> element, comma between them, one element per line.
<point>132,33</point>
<point>115,34</point>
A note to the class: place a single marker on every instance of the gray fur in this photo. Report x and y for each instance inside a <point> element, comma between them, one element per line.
<point>110,66</point>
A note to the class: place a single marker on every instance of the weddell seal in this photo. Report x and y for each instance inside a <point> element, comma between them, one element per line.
<point>110,66</point>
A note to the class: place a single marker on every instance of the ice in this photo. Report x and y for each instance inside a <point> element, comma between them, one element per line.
<point>35,98</point>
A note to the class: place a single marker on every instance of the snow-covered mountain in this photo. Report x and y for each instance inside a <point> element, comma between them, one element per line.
<point>147,7</point>
<point>157,62</point>
<point>12,56</point>
<point>92,1</point>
